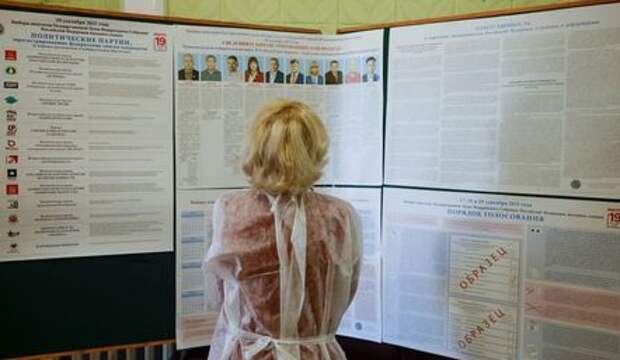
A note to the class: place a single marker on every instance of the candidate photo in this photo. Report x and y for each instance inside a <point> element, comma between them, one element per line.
<point>188,72</point>
<point>334,75</point>
<point>314,76</point>
<point>274,75</point>
<point>353,73</point>
<point>211,73</point>
<point>253,73</point>
<point>371,70</point>
<point>232,74</point>
<point>294,77</point>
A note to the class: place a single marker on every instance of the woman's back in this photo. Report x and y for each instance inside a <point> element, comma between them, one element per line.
<point>258,264</point>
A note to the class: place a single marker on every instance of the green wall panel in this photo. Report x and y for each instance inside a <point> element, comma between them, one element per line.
<point>327,15</point>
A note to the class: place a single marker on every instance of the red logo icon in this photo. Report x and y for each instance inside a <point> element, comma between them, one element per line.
<point>13,218</point>
<point>160,42</point>
<point>12,189</point>
<point>10,55</point>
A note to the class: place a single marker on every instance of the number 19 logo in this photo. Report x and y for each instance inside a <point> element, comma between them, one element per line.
<point>160,43</point>
<point>613,218</point>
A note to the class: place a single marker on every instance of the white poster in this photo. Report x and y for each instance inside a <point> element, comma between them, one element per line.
<point>477,276</point>
<point>524,103</point>
<point>363,318</point>
<point>195,320</point>
<point>224,76</point>
<point>86,116</point>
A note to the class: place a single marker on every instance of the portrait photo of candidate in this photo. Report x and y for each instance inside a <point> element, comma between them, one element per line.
<point>187,71</point>
<point>314,76</point>
<point>232,73</point>
<point>371,70</point>
<point>252,72</point>
<point>211,72</point>
<point>274,75</point>
<point>334,75</point>
<point>295,76</point>
<point>353,71</point>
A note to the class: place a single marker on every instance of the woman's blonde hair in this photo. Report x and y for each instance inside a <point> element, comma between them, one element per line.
<point>287,148</point>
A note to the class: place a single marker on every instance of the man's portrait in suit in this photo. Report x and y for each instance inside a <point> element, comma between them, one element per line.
<point>371,70</point>
<point>211,73</point>
<point>334,75</point>
<point>294,77</point>
<point>233,74</point>
<point>188,72</point>
<point>314,77</point>
<point>274,75</point>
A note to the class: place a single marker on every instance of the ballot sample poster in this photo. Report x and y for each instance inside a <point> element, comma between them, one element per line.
<point>225,76</point>
<point>363,318</point>
<point>478,276</point>
<point>86,116</point>
<point>524,103</point>
<point>196,315</point>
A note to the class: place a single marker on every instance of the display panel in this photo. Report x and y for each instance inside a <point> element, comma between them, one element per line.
<point>477,276</point>
<point>87,136</point>
<point>523,103</point>
<point>225,76</point>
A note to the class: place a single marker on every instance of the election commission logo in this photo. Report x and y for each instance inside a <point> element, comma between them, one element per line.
<point>160,42</point>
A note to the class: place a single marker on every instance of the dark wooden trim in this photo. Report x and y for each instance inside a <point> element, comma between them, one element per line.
<point>476,15</point>
<point>66,10</point>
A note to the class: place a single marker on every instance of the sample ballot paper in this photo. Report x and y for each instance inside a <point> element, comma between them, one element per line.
<point>477,276</point>
<point>526,103</point>
<point>224,76</point>
<point>86,116</point>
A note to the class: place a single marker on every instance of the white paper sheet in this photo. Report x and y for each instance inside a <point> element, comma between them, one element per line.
<point>195,322</point>
<point>476,276</point>
<point>363,318</point>
<point>525,103</point>
<point>214,110</point>
<point>87,137</point>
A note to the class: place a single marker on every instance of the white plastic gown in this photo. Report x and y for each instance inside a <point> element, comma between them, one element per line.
<point>284,271</point>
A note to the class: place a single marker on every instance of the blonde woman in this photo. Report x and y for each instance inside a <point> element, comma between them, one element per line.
<point>285,260</point>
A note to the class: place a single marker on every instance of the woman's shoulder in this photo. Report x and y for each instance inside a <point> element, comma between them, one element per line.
<point>331,204</point>
<point>235,199</point>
